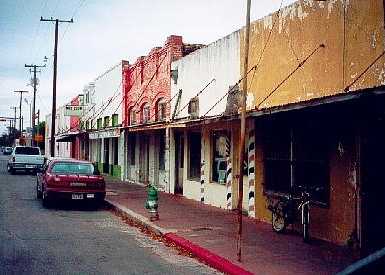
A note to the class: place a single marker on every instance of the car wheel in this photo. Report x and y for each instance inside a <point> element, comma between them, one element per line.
<point>10,170</point>
<point>45,200</point>
<point>39,194</point>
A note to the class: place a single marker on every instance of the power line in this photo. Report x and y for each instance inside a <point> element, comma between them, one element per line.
<point>290,74</point>
<point>77,9</point>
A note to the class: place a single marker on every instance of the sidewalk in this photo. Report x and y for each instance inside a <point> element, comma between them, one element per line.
<point>210,234</point>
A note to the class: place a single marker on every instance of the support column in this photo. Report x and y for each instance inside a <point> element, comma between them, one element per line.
<point>229,176</point>
<point>202,167</point>
<point>251,167</point>
<point>167,160</point>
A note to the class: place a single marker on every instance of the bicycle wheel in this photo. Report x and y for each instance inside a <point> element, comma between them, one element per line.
<point>278,221</point>
<point>305,223</point>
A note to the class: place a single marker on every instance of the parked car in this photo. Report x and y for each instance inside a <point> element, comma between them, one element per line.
<point>7,151</point>
<point>25,158</point>
<point>70,179</point>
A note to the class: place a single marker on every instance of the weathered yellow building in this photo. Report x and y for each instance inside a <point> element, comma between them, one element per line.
<point>308,52</point>
<point>352,32</point>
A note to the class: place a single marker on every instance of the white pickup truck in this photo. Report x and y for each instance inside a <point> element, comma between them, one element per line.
<point>25,158</point>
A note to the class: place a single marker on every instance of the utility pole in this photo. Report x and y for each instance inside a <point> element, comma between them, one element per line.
<point>21,99</point>
<point>34,96</point>
<point>14,120</point>
<point>243,132</point>
<point>53,115</point>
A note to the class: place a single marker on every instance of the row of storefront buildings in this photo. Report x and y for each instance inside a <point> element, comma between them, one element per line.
<point>315,117</point>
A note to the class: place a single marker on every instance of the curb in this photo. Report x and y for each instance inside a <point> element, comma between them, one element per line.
<point>210,258</point>
<point>137,218</point>
<point>207,256</point>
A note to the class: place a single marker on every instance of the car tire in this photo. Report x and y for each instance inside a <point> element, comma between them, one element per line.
<point>39,194</point>
<point>10,170</point>
<point>45,201</point>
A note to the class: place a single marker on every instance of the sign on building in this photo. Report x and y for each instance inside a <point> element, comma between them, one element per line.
<point>105,134</point>
<point>73,110</point>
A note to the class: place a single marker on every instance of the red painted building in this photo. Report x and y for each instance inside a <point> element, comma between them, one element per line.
<point>147,82</point>
<point>146,97</point>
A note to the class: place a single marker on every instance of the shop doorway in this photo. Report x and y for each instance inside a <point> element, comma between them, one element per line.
<point>373,186</point>
<point>106,156</point>
<point>179,163</point>
<point>144,159</point>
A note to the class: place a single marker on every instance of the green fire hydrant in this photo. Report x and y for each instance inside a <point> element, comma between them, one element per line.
<point>152,202</point>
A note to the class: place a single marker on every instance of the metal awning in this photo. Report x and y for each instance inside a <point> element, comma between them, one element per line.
<point>67,137</point>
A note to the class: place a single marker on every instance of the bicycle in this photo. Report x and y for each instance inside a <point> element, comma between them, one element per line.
<point>284,212</point>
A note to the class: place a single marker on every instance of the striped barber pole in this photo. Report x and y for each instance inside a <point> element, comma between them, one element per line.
<point>202,170</point>
<point>229,176</point>
<point>251,170</point>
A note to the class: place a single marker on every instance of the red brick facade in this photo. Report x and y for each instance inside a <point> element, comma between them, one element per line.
<point>147,81</point>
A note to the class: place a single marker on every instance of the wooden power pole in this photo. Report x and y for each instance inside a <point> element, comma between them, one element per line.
<point>34,97</point>
<point>243,132</point>
<point>53,114</point>
<point>21,99</point>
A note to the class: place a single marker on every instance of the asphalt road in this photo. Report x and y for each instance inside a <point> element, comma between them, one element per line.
<point>75,239</point>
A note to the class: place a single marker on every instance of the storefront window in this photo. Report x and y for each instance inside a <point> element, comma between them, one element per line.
<point>221,146</point>
<point>296,156</point>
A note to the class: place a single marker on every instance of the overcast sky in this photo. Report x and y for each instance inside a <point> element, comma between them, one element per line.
<point>103,33</point>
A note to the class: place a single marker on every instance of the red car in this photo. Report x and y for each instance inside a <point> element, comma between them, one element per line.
<point>70,179</point>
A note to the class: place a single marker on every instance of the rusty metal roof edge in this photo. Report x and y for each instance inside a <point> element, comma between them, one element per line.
<point>336,98</point>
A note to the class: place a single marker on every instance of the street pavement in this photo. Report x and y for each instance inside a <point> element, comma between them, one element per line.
<point>75,239</point>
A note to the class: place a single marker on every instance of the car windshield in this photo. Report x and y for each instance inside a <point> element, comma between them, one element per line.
<point>27,151</point>
<point>74,168</point>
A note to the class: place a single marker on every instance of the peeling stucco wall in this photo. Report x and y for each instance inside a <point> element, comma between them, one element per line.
<point>219,60</point>
<point>352,32</point>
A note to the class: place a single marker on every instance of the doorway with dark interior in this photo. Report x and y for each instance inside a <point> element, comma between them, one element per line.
<point>179,163</point>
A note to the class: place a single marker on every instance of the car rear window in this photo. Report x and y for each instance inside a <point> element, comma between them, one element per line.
<point>74,168</point>
<point>27,151</point>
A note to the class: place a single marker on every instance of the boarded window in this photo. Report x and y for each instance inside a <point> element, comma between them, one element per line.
<point>115,120</point>
<point>132,117</point>
<point>161,110</point>
<point>194,152</point>
<point>146,113</point>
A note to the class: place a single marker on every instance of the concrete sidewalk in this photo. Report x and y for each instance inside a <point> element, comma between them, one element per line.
<point>209,233</point>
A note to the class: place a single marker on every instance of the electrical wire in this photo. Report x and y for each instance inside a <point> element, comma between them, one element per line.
<point>204,88</point>
<point>290,74</point>
<point>229,91</point>
<point>76,11</point>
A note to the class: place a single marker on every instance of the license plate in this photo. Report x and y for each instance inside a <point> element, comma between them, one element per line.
<point>77,196</point>
<point>29,166</point>
<point>90,196</point>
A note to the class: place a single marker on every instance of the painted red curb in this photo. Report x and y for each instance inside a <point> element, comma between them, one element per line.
<point>207,256</point>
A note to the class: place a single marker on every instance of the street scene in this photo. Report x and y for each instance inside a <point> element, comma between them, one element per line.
<point>181,137</point>
<point>75,239</point>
